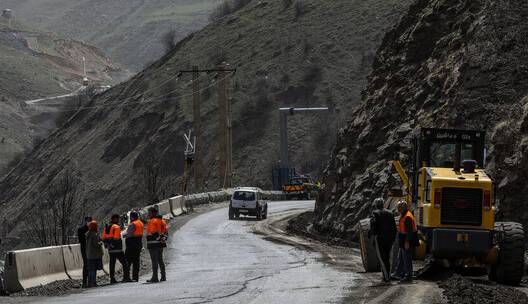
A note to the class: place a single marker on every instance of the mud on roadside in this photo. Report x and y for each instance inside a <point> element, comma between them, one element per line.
<point>456,287</point>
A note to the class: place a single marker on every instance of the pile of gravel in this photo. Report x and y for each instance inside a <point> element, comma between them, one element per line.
<point>57,288</point>
<point>468,291</point>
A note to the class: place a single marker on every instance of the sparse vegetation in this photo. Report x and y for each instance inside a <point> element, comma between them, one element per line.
<point>300,8</point>
<point>227,7</point>
<point>149,179</point>
<point>287,3</point>
<point>61,211</point>
<point>169,40</point>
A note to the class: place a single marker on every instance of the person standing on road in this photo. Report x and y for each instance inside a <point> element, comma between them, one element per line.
<point>81,237</point>
<point>114,244</point>
<point>407,241</point>
<point>94,253</point>
<point>134,244</point>
<point>156,241</point>
<point>383,227</point>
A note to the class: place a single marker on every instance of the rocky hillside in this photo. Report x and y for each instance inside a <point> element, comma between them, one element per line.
<point>35,65</point>
<point>316,53</point>
<point>452,64</point>
<point>129,31</point>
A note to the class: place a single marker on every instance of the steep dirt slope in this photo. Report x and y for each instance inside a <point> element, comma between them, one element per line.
<point>319,55</point>
<point>129,31</point>
<point>452,64</point>
<point>34,65</point>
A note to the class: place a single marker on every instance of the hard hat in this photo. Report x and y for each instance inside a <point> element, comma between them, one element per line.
<point>402,204</point>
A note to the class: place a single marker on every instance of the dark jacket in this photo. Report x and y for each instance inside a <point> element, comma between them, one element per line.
<point>81,236</point>
<point>94,249</point>
<point>383,225</point>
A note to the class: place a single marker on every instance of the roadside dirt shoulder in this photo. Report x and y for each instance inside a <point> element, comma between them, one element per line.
<point>435,286</point>
<point>345,258</point>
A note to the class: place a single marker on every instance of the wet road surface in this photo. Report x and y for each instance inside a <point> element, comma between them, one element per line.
<point>214,260</point>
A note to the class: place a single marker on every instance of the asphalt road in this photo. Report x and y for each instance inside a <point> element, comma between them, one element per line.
<point>214,260</point>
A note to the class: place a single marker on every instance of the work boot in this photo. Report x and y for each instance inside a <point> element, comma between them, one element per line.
<point>406,280</point>
<point>163,279</point>
<point>153,280</point>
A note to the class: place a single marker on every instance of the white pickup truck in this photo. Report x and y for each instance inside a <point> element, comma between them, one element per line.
<point>248,201</point>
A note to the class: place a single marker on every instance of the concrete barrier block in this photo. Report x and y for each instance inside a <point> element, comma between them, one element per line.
<point>176,205</point>
<point>34,267</point>
<point>164,209</point>
<point>73,261</point>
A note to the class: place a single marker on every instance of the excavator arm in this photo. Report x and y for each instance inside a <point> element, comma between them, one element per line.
<point>405,179</point>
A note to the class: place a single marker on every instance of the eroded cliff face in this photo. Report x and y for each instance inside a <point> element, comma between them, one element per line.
<point>450,64</point>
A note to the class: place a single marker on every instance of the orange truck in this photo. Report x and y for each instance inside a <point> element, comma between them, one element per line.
<point>301,187</point>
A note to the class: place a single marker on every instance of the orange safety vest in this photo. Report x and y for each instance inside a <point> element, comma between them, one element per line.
<point>156,233</point>
<point>403,229</point>
<point>113,238</point>
<point>138,232</point>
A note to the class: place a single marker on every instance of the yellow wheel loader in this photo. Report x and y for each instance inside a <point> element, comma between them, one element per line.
<point>452,200</point>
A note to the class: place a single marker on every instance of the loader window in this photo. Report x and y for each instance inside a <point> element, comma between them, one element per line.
<point>466,152</point>
<point>442,155</point>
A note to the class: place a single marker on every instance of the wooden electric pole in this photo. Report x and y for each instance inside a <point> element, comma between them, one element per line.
<point>225,126</point>
<point>197,126</point>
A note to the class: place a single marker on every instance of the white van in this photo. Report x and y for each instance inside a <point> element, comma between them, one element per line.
<point>248,201</point>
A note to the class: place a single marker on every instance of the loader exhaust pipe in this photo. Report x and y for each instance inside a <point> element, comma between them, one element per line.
<point>456,162</point>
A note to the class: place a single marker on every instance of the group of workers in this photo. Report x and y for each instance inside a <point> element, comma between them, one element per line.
<point>383,228</point>
<point>112,239</point>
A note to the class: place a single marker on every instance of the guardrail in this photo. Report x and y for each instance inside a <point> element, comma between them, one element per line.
<point>40,266</point>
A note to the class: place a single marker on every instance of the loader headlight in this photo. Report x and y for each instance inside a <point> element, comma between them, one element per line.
<point>438,197</point>
<point>486,200</point>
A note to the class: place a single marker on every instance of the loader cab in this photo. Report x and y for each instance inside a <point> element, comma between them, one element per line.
<point>446,148</point>
<point>448,186</point>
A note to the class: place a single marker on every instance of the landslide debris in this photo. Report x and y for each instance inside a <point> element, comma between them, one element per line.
<point>321,57</point>
<point>451,64</point>
<point>461,290</point>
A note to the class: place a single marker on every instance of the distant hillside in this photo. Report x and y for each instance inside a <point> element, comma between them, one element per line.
<point>318,53</point>
<point>34,65</point>
<point>129,31</point>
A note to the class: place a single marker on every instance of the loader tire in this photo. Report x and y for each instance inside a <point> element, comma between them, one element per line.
<point>509,269</point>
<point>367,249</point>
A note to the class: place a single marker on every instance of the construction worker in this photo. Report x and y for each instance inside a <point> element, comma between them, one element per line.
<point>156,241</point>
<point>81,237</point>
<point>114,244</point>
<point>407,241</point>
<point>134,244</point>
<point>94,253</point>
<point>383,228</point>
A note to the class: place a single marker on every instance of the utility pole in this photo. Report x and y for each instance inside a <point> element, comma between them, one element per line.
<point>190,151</point>
<point>284,167</point>
<point>197,125</point>
<point>225,126</point>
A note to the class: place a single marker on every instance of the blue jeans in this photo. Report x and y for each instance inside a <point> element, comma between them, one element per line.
<point>93,266</point>
<point>405,268</point>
